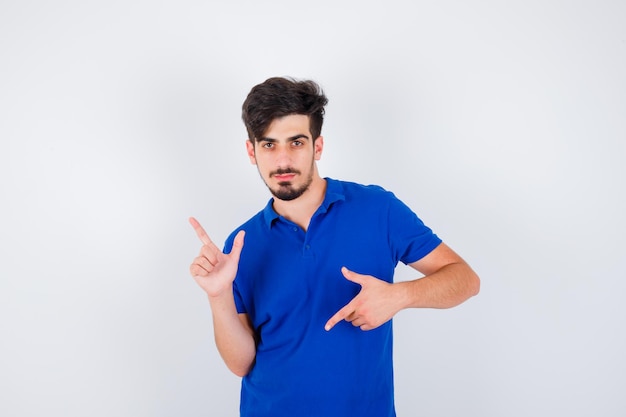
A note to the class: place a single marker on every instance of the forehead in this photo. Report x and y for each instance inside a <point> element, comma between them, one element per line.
<point>288,126</point>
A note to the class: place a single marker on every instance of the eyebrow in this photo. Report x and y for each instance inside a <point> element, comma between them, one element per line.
<point>290,139</point>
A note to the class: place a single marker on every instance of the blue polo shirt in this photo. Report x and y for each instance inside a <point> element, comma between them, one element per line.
<point>290,283</point>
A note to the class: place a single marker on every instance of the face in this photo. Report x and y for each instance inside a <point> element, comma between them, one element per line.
<point>286,155</point>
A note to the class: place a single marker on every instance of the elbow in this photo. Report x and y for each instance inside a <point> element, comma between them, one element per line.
<point>469,285</point>
<point>239,360</point>
<point>240,369</point>
<point>469,288</point>
<point>474,285</point>
<point>240,372</point>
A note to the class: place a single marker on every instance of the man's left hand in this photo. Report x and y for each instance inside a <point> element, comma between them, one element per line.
<point>376,303</point>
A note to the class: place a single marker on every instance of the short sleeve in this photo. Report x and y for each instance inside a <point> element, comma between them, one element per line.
<point>409,238</point>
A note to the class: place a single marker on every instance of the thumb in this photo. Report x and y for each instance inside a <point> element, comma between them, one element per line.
<point>352,276</point>
<point>235,252</point>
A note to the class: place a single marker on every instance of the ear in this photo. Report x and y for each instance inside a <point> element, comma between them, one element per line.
<point>250,150</point>
<point>319,147</point>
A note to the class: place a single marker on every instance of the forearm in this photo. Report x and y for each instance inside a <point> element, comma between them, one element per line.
<point>234,339</point>
<point>448,287</point>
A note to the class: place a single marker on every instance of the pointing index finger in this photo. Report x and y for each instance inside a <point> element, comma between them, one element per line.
<point>202,234</point>
<point>340,315</point>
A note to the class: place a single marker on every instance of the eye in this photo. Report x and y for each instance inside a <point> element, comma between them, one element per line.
<point>267,145</point>
<point>297,143</point>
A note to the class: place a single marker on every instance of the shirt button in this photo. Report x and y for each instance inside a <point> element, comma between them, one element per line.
<point>308,247</point>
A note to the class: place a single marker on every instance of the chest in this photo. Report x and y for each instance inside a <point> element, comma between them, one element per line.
<point>295,275</point>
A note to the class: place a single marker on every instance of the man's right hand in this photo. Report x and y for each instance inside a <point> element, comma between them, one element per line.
<point>213,270</point>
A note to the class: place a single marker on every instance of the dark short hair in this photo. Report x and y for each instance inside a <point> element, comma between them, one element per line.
<point>277,97</point>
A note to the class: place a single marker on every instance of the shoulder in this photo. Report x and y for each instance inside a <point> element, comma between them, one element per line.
<point>372,198</point>
<point>356,191</point>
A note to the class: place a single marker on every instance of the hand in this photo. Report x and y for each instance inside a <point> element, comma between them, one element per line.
<point>376,303</point>
<point>213,270</point>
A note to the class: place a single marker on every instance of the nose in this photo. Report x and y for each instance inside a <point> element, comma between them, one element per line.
<point>283,157</point>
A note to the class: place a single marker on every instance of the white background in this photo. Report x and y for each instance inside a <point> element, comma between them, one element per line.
<point>501,123</point>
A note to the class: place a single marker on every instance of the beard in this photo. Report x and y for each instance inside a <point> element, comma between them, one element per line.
<point>286,191</point>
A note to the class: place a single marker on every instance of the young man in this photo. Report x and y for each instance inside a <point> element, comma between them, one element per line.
<point>303,310</point>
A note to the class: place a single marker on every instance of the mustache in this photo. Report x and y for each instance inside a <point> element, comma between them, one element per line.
<point>283,171</point>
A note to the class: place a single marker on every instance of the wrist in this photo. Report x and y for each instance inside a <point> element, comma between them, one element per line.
<point>224,297</point>
<point>407,294</point>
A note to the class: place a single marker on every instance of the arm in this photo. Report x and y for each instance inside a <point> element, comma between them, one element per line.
<point>448,282</point>
<point>215,272</point>
<point>234,336</point>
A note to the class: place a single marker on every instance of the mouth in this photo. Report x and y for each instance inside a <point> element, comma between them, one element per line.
<point>284,175</point>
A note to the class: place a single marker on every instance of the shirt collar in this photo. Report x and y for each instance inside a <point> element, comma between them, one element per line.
<point>334,193</point>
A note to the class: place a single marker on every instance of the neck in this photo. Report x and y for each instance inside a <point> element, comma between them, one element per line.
<point>302,208</point>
